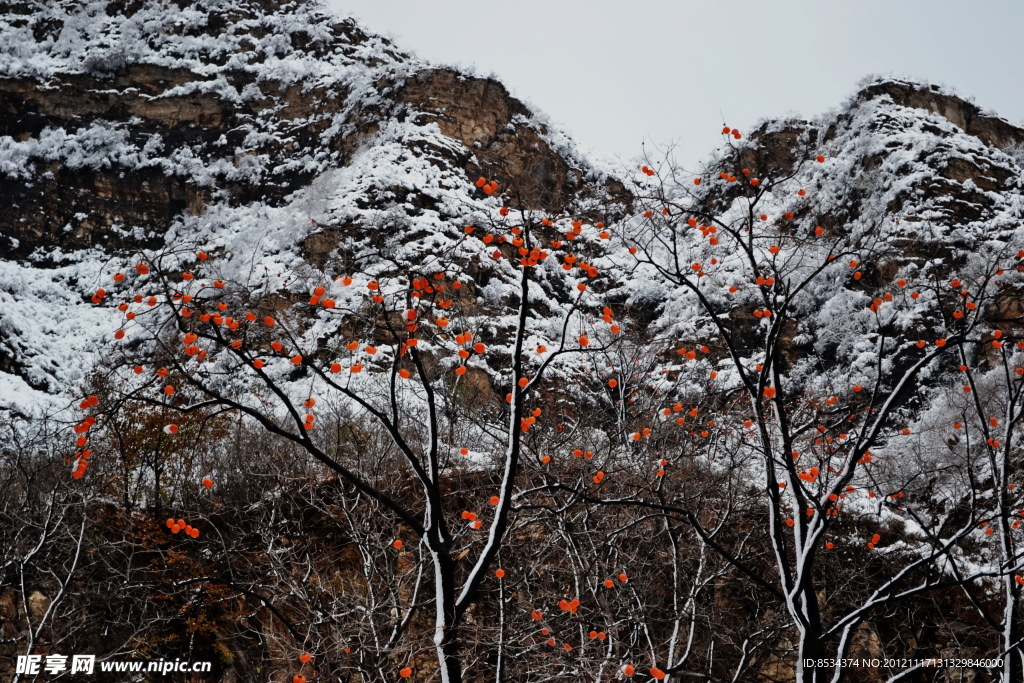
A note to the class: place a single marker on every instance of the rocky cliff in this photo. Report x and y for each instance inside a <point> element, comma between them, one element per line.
<point>126,125</point>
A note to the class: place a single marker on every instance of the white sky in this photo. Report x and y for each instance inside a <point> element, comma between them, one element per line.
<point>616,73</point>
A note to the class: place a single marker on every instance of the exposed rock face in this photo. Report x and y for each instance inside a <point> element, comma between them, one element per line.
<point>151,141</point>
<point>992,130</point>
<point>488,121</point>
<point>908,155</point>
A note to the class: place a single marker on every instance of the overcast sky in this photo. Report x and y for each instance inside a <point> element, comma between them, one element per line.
<point>618,73</point>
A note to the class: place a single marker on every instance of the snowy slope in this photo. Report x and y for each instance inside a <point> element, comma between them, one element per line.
<point>245,128</point>
<point>290,143</point>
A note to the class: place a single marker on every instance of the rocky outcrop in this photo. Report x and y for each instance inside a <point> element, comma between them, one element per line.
<point>967,116</point>
<point>489,122</point>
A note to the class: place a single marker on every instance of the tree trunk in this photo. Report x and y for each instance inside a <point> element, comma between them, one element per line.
<point>448,656</point>
<point>1012,666</point>
<point>810,648</point>
<point>446,638</point>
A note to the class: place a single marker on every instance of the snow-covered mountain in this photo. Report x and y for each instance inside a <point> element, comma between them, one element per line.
<point>282,137</point>
<point>920,186</point>
<point>264,129</point>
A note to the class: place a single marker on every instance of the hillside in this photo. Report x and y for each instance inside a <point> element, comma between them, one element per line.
<point>264,129</point>
<point>126,128</point>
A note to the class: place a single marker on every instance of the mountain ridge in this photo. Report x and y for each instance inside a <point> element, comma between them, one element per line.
<point>118,146</point>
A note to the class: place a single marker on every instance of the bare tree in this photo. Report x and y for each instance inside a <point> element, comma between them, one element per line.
<point>390,356</point>
<point>752,277</point>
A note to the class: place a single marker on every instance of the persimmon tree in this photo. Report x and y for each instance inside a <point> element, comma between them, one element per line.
<point>64,553</point>
<point>617,589</point>
<point>813,419</point>
<point>403,345</point>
